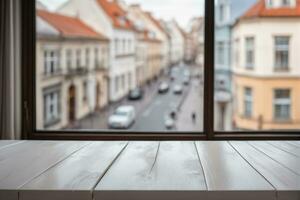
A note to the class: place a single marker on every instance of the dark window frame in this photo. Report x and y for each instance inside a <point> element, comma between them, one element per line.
<point>28,96</point>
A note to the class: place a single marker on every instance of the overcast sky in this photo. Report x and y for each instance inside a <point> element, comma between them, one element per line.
<point>181,10</point>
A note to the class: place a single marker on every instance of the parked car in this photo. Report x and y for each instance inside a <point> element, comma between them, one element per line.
<point>177,89</point>
<point>163,88</point>
<point>135,94</point>
<point>122,118</point>
<point>186,80</point>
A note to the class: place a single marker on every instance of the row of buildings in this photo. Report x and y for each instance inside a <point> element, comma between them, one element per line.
<point>257,67</point>
<point>91,53</point>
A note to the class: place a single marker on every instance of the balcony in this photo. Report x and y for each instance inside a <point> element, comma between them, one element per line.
<point>79,71</point>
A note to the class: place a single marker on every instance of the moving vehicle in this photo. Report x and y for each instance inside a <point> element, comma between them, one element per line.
<point>163,88</point>
<point>135,94</point>
<point>186,81</point>
<point>122,118</point>
<point>169,123</point>
<point>177,89</point>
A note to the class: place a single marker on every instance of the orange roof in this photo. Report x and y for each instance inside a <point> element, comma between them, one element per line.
<point>260,10</point>
<point>69,26</point>
<point>157,24</point>
<point>116,13</point>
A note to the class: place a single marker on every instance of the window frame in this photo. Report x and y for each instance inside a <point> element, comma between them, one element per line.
<point>29,131</point>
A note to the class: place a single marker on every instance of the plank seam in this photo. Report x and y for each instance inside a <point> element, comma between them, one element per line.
<point>107,169</point>
<point>293,144</point>
<point>53,165</point>
<point>232,146</point>
<point>200,162</point>
<point>155,159</point>
<point>9,145</point>
<point>282,149</point>
<point>273,159</point>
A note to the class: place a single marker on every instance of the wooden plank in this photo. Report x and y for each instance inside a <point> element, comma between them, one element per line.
<point>8,143</point>
<point>166,170</point>
<point>287,147</point>
<point>80,172</point>
<point>284,180</point>
<point>27,160</point>
<point>294,143</point>
<point>288,160</point>
<point>226,171</point>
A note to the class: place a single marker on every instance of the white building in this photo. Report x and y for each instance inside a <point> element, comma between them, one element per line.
<point>108,17</point>
<point>177,42</point>
<point>71,70</point>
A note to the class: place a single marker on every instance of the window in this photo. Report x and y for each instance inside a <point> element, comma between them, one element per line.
<point>249,46</point>
<point>51,106</point>
<point>220,52</point>
<point>248,102</point>
<point>236,56</point>
<point>78,58</point>
<point>173,97</point>
<point>286,3</point>
<point>69,59</point>
<point>87,57</point>
<point>282,104</point>
<point>281,53</point>
<point>51,61</point>
<point>85,91</point>
<point>97,58</point>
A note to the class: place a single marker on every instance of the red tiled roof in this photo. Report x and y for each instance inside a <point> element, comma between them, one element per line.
<point>69,26</point>
<point>260,10</point>
<point>116,13</point>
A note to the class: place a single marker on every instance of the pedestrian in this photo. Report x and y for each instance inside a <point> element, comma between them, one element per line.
<point>194,117</point>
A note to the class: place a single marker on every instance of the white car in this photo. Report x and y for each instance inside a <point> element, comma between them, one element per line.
<point>163,88</point>
<point>177,89</point>
<point>122,118</point>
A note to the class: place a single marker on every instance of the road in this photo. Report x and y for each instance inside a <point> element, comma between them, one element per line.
<point>153,109</point>
<point>153,118</point>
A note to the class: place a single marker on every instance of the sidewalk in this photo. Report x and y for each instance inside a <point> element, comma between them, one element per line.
<point>192,103</point>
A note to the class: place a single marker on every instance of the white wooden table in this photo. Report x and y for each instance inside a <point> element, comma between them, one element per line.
<point>69,170</point>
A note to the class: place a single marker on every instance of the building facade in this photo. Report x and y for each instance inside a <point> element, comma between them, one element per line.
<point>109,18</point>
<point>227,12</point>
<point>71,73</point>
<point>266,76</point>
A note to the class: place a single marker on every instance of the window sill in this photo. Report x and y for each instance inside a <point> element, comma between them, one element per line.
<point>149,170</point>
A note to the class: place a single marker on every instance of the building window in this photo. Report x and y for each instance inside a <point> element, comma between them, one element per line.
<point>248,102</point>
<point>87,57</point>
<point>78,58</point>
<point>269,3</point>
<point>117,84</point>
<point>117,46</point>
<point>69,59</point>
<point>51,107</point>
<point>51,61</point>
<point>85,91</point>
<point>96,57</point>
<point>286,3</point>
<point>220,53</point>
<point>282,104</point>
<point>236,52</point>
<point>124,46</point>
<point>129,80</point>
<point>282,53</point>
<point>123,81</point>
<point>249,52</point>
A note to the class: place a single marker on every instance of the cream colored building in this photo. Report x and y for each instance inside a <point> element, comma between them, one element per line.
<point>71,73</point>
<point>266,80</point>
<point>147,22</point>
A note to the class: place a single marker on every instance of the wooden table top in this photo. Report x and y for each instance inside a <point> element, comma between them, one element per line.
<point>210,170</point>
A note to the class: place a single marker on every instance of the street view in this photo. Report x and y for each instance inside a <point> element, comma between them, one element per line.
<point>138,65</point>
<point>132,65</point>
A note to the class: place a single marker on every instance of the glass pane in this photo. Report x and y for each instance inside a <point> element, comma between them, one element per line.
<point>257,84</point>
<point>120,64</point>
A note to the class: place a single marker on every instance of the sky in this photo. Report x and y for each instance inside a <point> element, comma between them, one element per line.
<point>180,10</point>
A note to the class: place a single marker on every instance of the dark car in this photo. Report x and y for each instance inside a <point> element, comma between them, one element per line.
<point>135,94</point>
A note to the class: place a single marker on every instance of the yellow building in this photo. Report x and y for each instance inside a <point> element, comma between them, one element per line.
<point>266,72</point>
